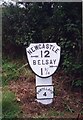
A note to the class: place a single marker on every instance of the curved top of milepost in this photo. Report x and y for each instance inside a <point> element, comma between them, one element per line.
<point>43,58</point>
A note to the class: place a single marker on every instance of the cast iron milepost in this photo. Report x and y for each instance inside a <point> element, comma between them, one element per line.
<point>44,59</point>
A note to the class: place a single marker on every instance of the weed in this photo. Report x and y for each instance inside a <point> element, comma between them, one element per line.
<point>81,112</point>
<point>52,112</point>
<point>9,72</point>
<point>10,107</point>
<point>68,108</point>
<point>12,71</point>
<point>0,102</point>
<point>78,83</point>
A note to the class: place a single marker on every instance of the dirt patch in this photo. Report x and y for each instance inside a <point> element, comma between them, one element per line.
<point>66,103</point>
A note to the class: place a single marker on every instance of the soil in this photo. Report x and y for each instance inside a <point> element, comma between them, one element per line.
<point>67,102</point>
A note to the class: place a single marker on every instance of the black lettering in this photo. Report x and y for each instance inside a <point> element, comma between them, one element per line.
<point>41,54</point>
<point>43,88</point>
<point>56,50</point>
<point>46,71</point>
<point>43,62</point>
<point>47,46</point>
<point>39,46</point>
<point>54,61</point>
<point>40,90</point>
<point>45,94</point>
<point>36,47</point>
<point>51,46</point>
<point>39,62</point>
<point>47,62</point>
<point>51,62</point>
<point>49,89</point>
<point>41,71</point>
<point>47,53</point>
<point>34,62</point>
<point>43,46</point>
<point>32,49</point>
<point>29,52</point>
<point>46,89</point>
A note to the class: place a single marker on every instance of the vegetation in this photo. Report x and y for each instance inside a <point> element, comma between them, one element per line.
<point>9,72</point>
<point>10,106</point>
<point>45,22</point>
<point>58,22</point>
<point>14,69</point>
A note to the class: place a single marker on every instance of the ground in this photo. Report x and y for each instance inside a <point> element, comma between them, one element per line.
<point>66,103</point>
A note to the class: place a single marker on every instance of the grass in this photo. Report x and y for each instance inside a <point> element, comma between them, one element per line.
<point>81,112</point>
<point>10,107</point>
<point>9,71</point>
<point>0,102</point>
<point>55,113</point>
<point>12,70</point>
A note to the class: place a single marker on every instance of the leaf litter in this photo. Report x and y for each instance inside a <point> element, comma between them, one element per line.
<point>66,102</point>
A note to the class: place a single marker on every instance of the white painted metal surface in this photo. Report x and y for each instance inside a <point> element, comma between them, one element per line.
<point>43,58</point>
<point>44,90</point>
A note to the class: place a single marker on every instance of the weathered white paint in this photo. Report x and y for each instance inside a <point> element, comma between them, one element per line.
<point>44,90</point>
<point>43,58</point>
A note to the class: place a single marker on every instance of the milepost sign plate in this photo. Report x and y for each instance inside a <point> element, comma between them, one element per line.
<point>43,58</point>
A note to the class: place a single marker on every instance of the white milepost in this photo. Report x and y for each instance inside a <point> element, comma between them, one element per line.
<point>44,59</point>
<point>44,90</point>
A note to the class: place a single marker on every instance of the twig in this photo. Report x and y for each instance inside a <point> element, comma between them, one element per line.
<point>69,108</point>
<point>22,66</point>
<point>78,117</point>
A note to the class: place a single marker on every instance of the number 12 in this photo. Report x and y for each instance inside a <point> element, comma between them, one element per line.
<point>46,53</point>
